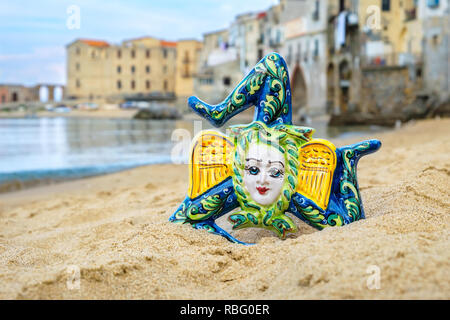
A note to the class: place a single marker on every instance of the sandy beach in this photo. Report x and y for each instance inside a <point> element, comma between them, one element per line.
<point>114,229</point>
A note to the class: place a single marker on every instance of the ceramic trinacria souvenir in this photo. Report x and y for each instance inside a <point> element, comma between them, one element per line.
<point>268,167</point>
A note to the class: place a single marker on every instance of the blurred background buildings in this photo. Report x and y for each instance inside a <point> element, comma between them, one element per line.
<point>370,61</point>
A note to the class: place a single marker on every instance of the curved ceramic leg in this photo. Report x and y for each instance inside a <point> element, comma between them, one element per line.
<point>345,204</point>
<point>266,87</point>
<point>202,211</point>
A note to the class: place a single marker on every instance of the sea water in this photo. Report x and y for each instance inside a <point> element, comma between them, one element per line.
<point>37,150</point>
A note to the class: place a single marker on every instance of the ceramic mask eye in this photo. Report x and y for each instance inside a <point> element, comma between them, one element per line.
<point>264,173</point>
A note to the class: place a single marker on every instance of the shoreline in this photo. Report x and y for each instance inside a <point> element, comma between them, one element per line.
<point>114,229</point>
<point>32,177</point>
<point>102,114</point>
<point>114,113</point>
<point>44,177</point>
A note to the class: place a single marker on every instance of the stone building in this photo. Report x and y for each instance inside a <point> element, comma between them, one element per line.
<point>143,69</point>
<point>343,74</point>
<point>16,93</point>
<point>434,19</point>
<point>408,33</point>
<point>384,57</point>
<point>245,35</point>
<point>218,67</point>
<point>187,61</point>
<point>271,31</point>
<point>228,55</point>
<point>384,23</point>
<point>305,43</point>
<point>4,95</point>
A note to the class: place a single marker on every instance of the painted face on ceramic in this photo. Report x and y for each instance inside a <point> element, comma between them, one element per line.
<point>264,173</point>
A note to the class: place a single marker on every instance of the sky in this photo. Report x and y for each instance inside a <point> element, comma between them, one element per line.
<point>33,34</point>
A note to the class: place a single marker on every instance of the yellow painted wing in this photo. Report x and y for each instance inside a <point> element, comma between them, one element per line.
<point>317,160</point>
<point>210,162</point>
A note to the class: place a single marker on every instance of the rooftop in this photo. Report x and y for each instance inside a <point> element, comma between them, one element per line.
<point>172,44</point>
<point>95,43</point>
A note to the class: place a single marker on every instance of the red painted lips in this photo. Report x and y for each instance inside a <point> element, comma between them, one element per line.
<point>262,190</point>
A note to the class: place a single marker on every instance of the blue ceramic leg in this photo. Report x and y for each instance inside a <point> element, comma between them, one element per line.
<point>266,87</point>
<point>201,212</point>
<point>345,204</point>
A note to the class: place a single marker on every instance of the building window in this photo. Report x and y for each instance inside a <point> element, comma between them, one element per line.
<point>133,69</point>
<point>186,57</point>
<point>3,98</point>
<point>77,51</point>
<point>119,84</point>
<point>119,54</point>
<point>386,5</point>
<point>77,67</point>
<point>165,53</point>
<point>289,55</point>
<point>133,84</point>
<point>260,54</point>
<point>316,10</point>
<point>147,69</point>
<point>147,84</point>
<point>186,72</point>
<point>226,81</point>
<point>165,85</point>
<point>433,3</point>
<point>165,69</point>
<point>316,48</point>
<point>306,52</point>
<point>14,97</point>
<point>206,81</point>
<point>419,73</point>
<point>147,53</point>
<point>77,83</point>
<point>435,40</point>
<point>93,54</point>
<point>133,54</point>
<point>119,69</point>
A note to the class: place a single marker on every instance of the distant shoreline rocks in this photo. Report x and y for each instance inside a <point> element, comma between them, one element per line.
<point>158,112</point>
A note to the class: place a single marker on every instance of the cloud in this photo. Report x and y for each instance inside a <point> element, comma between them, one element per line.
<point>41,65</point>
<point>42,53</point>
<point>33,37</point>
<point>226,7</point>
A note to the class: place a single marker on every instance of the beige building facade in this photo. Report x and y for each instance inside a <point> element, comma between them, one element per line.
<point>218,67</point>
<point>305,51</point>
<point>20,94</point>
<point>187,63</point>
<point>143,68</point>
<point>229,54</point>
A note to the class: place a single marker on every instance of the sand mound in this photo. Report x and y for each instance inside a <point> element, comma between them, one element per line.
<point>114,230</point>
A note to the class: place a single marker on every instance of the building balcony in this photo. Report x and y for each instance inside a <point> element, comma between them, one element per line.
<point>394,59</point>
<point>410,14</point>
<point>274,43</point>
<point>315,15</point>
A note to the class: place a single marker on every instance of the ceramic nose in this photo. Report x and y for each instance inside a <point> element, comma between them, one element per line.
<point>263,178</point>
